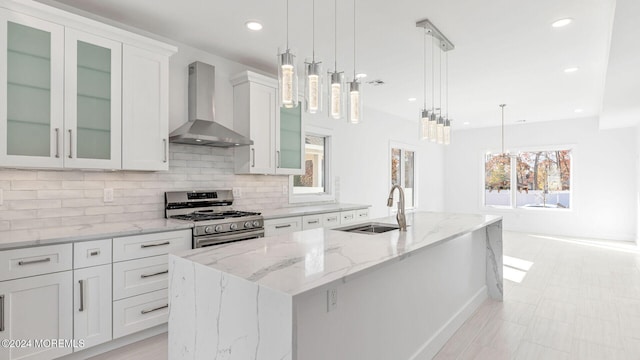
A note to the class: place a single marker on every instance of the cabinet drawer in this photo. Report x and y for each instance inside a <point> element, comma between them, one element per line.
<point>347,216</point>
<point>331,219</point>
<point>282,226</point>
<point>311,222</point>
<point>139,246</point>
<point>36,260</point>
<point>135,277</point>
<point>91,253</point>
<point>140,312</point>
<point>362,214</point>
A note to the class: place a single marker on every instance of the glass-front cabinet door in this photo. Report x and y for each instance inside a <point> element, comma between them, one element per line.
<point>31,91</point>
<point>93,87</point>
<point>290,142</point>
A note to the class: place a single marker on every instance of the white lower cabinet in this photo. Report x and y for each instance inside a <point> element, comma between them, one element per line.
<point>38,307</point>
<point>330,219</point>
<point>92,305</point>
<point>140,312</point>
<point>139,276</point>
<point>282,226</point>
<point>311,221</point>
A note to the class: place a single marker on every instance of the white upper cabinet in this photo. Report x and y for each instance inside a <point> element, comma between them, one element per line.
<point>145,110</point>
<point>277,135</point>
<point>93,122</point>
<point>31,91</point>
<point>75,93</point>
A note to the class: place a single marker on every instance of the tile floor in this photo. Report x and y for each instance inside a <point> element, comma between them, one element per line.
<point>568,299</point>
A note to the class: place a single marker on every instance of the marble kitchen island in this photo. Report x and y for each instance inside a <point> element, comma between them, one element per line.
<point>329,294</point>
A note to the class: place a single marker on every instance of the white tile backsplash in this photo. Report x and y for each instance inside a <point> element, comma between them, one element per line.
<point>52,198</point>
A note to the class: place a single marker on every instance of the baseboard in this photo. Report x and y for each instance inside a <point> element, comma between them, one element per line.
<point>430,348</point>
<point>117,343</point>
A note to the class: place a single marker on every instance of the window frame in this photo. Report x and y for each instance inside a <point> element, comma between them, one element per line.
<point>416,174</point>
<point>329,193</point>
<point>513,176</point>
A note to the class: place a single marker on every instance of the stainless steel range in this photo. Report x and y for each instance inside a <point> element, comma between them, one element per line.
<point>215,221</point>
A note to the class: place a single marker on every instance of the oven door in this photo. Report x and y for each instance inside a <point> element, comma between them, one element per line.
<point>215,239</point>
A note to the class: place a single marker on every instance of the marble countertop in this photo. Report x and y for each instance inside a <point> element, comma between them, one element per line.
<point>49,236</point>
<point>310,210</point>
<point>302,261</point>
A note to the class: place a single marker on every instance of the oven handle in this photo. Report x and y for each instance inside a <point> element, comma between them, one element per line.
<point>201,241</point>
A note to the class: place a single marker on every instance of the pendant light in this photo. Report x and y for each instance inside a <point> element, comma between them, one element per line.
<point>355,92</point>
<point>447,121</point>
<point>438,127</point>
<point>336,78</point>
<point>314,81</point>
<point>288,74</point>
<point>424,118</point>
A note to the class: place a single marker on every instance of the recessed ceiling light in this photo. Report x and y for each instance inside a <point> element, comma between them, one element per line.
<point>561,22</point>
<point>198,140</point>
<point>253,25</point>
<point>571,69</point>
<point>466,123</point>
<point>578,110</point>
<point>361,76</point>
<point>411,99</point>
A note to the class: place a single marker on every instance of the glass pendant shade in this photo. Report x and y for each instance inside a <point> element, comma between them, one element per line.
<point>440,130</point>
<point>433,122</point>
<point>288,79</point>
<point>355,102</point>
<point>336,95</point>
<point>424,125</point>
<point>447,132</point>
<point>314,87</point>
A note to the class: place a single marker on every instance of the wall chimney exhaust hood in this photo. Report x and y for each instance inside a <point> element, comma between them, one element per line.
<point>201,129</point>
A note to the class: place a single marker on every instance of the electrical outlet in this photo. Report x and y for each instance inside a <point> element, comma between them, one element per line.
<point>285,189</point>
<point>237,192</point>
<point>108,195</point>
<point>332,299</point>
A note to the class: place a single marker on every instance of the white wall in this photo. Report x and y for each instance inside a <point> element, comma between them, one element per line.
<point>604,177</point>
<point>638,185</point>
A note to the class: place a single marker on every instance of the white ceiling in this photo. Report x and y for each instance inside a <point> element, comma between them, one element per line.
<point>506,51</point>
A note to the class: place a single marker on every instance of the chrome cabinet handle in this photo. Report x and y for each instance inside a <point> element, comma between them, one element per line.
<point>70,144</point>
<point>166,150</point>
<point>94,253</point>
<point>156,274</point>
<point>81,282</point>
<point>283,226</point>
<point>313,222</point>
<point>278,158</point>
<point>1,313</point>
<point>28,262</point>
<point>253,158</point>
<point>57,142</point>
<point>154,309</point>
<point>361,215</point>
<point>152,245</point>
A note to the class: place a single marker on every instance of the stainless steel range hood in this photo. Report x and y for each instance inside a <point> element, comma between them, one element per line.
<point>201,129</point>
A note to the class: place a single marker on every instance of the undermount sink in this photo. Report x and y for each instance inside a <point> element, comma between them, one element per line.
<point>369,228</point>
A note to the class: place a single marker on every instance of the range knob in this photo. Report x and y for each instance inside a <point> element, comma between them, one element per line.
<point>218,228</point>
<point>207,230</point>
<point>256,223</point>
<point>247,225</point>
<point>234,226</point>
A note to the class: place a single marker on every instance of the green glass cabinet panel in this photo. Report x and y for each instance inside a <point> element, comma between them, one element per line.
<point>291,137</point>
<point>28,91</point>
<point>93,101</point>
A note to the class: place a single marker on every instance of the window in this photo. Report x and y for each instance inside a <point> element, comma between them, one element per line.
<point>315,183</point>
<point>542,179</point>
<point>403,172</point>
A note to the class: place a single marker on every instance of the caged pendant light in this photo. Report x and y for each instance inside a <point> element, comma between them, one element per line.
<point>336,78</point>
<point>287,74</point>
<point>314,79</point>
<point>355,90</point>
<point>434,126</point>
